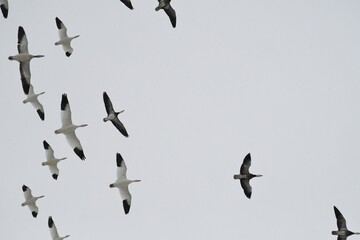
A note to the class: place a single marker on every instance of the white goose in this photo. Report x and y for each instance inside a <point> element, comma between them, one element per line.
<point>68,128</point>
<point>113,116</point>
<point>53,230</point>
<point>122,183</point>
<point>165,4</point>
<point>30,201</point>
<point>65,40</point>
<point>51,161</point>
<point>33,99</point>
<point>127,3</point>
<point>24,59</point>
<point>4,5</point>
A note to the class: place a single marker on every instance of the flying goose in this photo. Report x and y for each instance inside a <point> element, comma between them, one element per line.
<point>165,4</point>
<point>4,5</point>
<point>127,3</point>
<point>122,183</point>
<point>342,232</point>
<point>51,161</point>
<point>245,175</point>
<point>113,116</point>
<point>65,40</point>
<point>68,128</point>
<point>33,99</point>
<point>24,59</point>
<point>53,230</point>
<point>30,201</point>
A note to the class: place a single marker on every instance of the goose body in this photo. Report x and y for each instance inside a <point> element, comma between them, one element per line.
<point>122,183</point>
<point>342,231</point>
<point>65,40</point>
<point>53,231</point>
<point>113,116</point>
<point>165,5</point>
<point>30,201</point>
<point>51,161</point>
<point>4,6</point>
<point>24,59</point>
<point>245,176</point>
<point>127,3</point>
<point>68,128</point>
<point>33,99</point>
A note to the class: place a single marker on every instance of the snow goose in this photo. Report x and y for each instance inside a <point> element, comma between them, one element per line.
<point>127,3</point>
<point>342,232</point>
<point>4,5</point>
<point>113,116</point>
<point>122,183</point>
<point>51,161</point>
<point>33,99</point>
<point>30,201</point>
<point>68,128</point>
<point>53,230</point>
<point>65,40</point>
<point>24,59</point>
<point>245,176</point>
<point>165,4</point>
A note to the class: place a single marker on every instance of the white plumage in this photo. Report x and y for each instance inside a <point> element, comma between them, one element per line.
<point>30,201</point>
<point>53,231</point>
<point>51,160</point>
<point>65,40</point>
<point>33,99</point>
<point>68,128</point>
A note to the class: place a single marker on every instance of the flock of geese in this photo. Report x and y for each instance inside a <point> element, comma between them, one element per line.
<point>68,128</point>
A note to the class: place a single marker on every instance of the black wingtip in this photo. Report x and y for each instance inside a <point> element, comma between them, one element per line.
<point>4,10</point>
<point>41,114</point>
<point>34,214</point>
<point>55,176</point>
<point>80,153</point>
<point>64,101</point>
<point>25,84</point>
<point>21,32</point>
<point>46,145</point>
<point>119,159</point>
<point>50,222</point>
<point>126,206</point>
<point>58,22</point>
<point>68,54</point>
<point>24,188</point>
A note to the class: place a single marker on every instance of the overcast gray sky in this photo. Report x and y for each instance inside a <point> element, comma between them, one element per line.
<point>278,79</point>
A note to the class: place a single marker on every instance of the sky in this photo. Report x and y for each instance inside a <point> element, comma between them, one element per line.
<point>278,79</point>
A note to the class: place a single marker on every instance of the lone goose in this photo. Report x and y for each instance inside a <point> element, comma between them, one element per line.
<point>64,39</point>
<point>245,175</point>
<point>165,4</point>
<point>127,3</point>
<point>33,99</point>
<point>68,128</point>
<point>122,183</point>
<point>30,201</point>
<point>342,232</point>
<point>51,161</point>
<point>113,116</point>
<point>53,230</point>
<point>4,5</point>
<point>24,59</point>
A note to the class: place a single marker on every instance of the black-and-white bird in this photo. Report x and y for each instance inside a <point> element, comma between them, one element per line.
<point>53,230</point>
<point>342,231</point>
<point>165,4</point>
<point>122,183</point>
<point>68,128</point>
<point>113,116</point>
<point>33,99</point>
<point>65,40</point>
<point>30,201</point>
<point>127,3</point>
<point>51,160</point>
<point>4,6</point>
<point>24,59</point>
<point>245,176</point>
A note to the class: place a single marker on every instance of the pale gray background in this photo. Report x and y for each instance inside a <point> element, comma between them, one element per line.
<point>279,79</point>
